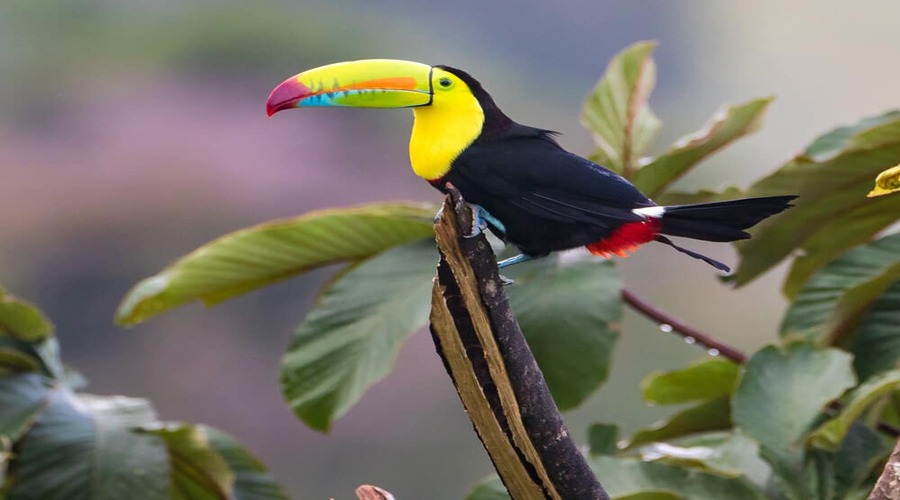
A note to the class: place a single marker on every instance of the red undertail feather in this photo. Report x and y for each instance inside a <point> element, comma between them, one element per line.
<point>626,238</point>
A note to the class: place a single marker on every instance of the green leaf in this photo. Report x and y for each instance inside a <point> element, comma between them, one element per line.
<point>781,392</point>
<point>209,464</point>
<point>624,477</point>
<point>570,312</point>
<point>727,125</point>
<point>832,214</point>
<point>830,435</point>
<point>876,343</point>
<point>616,111</point>
<point>712,415</point>
<point>22,397</point>
<point>22,320</point>
<point>834,301</point>
<point>350,339</point>
<point>862,451</point>
<point>86,447</point>
<point>15,361</point>
<point>251,480</point>
<point>726,454</point>
<point>707,379</point>
<point>489,488</point>
<point>603,439</point>
<point>261,255</point>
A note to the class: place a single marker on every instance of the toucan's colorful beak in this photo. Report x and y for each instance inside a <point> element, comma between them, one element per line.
<point>370,83</point>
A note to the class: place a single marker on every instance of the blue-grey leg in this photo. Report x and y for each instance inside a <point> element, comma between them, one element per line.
<point>514,260</point>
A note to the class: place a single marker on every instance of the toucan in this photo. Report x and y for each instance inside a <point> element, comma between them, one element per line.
<point>524,186</point>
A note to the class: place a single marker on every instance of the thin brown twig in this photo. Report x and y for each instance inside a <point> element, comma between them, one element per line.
<point>681,328</point>
<point>687,331</point>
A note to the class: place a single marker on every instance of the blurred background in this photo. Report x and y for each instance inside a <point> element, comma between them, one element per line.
<point>131,133</point>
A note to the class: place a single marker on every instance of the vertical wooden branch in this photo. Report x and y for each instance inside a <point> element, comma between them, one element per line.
<point>888,485</point>
<point>494,372</point>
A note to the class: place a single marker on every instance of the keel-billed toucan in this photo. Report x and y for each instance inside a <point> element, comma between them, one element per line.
<point>531,192</point>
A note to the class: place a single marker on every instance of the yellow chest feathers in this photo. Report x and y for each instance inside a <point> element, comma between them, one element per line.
<point>442,130</point>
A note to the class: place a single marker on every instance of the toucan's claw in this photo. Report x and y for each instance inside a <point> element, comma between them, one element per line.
<point>439,214</point>
<point>506,281</point>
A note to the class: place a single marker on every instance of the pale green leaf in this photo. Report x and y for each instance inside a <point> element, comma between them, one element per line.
<point>570,312</point>
<point>22,397</point>
<point>712,415</point>
<point>624,477</point>
<point>830,434</point>
<point>261,255</point>
<point>707,379</point>
<point>832,213</point>
<point>727,125</point>
<point>616,111</point>
<point>350,339</point>
<point>86,447</point>
<point>782,392</point>
<point>724,453</point>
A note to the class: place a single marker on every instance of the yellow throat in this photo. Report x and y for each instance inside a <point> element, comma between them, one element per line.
<point>444,129</point>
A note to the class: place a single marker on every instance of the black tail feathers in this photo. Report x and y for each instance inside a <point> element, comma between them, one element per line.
<point>718,221</point>
<point>722,220</point>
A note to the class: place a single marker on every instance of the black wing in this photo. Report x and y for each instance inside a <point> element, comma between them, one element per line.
<point>548,199</point>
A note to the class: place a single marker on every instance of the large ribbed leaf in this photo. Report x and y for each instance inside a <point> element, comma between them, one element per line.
<point>86,447</point>
<point>616,111</point>
<point>257,256</point>
<point>22,397</point>
<point>727,125</point>
<point>570,312</point>
<point>835,307</point>
<point>832,214</point>
<point>350,339</point>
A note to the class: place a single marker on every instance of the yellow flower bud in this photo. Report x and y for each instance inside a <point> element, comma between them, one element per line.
<point>887,182</point>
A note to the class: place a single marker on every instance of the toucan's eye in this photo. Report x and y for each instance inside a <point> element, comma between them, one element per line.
<point>445,82</point>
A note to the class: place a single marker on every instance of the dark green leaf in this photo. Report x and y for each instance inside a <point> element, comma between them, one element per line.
<point>831,304</point>
<point>350,339</point>
<point>616,111</point>
<point>830,434</point>
<point>861,451</point>
<point>707,379</point>
<point>86,447</point>
<point>832,214</point>
<point>570,313</point>
<point>876,343</point>
<point>251,481</point>
<point>712,415</point>
<point>22,397</point>
<point>22,320</point>
<point>603,439</point>
<point>199,471</point>
<point>781,392</point>
<point>623,477</point>
<point>727,125</point>
<point>14,361</point>
<point>261,255</point>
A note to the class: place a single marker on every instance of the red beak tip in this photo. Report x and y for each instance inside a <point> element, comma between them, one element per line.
<point>286,95</point>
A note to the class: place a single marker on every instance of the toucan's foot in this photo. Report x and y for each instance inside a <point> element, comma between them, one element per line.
<point>506,281</point>
<point>480,220</point>
<point>514,260</point>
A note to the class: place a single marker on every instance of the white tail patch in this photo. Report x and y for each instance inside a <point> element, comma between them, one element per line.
<point>654,212</point>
